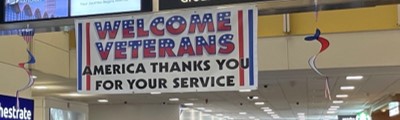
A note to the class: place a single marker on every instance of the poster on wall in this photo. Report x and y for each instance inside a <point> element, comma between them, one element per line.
<point>185,51</point>
<point>9,111</point>
<point>95,7</point>
<point>22,10</point>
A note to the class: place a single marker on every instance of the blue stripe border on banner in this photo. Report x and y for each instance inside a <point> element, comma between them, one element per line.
<point>79,56</point>
<point>251,38</point>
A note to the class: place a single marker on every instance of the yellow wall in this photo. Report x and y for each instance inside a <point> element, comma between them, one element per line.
<point>334,21</point>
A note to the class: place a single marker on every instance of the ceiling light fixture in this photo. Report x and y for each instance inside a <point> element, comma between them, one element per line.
<point>271,113</point>
<point>259,103</point>
<point>219,115</point>
<point>34,77</point>
<point>251,117</point>
<point>208,110</point>
<point>242,113</point>
<point>337,101</point>
<point>188,104</point>
<point>335,107</point>
<point>40,87</point>
<point>347,88</point>
<point>267,110</point>
<point>301,114</point>
<point>358,77</point>
<point>342,96</point>
<point>102,101</point>
<point>155,93</point>
<point>264,108</point>
<point>201,108</point>
<point>245,90</point>
<point>174,99</point>
<point>331,112</point>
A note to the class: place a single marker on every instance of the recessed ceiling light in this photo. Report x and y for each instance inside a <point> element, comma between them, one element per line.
<point>74,94</point>
<point>253,97</point>
<point>34,77</point>
<point>245,90</point>
<point>335,107</point>
<point>337,101</point>
<point>219,115</point>
<point>342,96</point>
<point>332,109</point>
<point>271,112</point>
<point>155,93</point>
<point>358,77</point>
<point>242,113</point>
<point>201,108</point>
<point>208,110</point>
<point>259,103</point>
<point>347,88</point>
<point>173,99</point>
<point>102,101</point>
<point>188,104</point>
<point>251,117</point>
<point>40,87</point>
<point>301,114</point>
<point>331,112</point>
<point>267,110</point>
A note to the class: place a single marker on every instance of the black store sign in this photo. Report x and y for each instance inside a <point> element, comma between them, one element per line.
<point>176,4</point>
<point>347,117</point>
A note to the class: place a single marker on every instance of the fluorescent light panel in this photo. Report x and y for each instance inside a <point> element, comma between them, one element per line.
<point>40,87</point>
<point>358,77</point>
<point>259,103</point>
<point>337,101</point>
<point>102,101</point>
<point>188,104</point>
<point>174,99</point>
<point>347,88</point>
<point>342,96</point>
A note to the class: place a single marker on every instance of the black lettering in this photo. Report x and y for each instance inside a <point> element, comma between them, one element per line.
<point>221,64</point>
<point>129,68</point>
<point>118,85</point>
<point>219,79</point>
<point>229,81</point>
<point>141,86</point>
<point>108,69</point>
<point>176,83</point>
<point>207,66</point>
<point>175,67</point>
<point>116,69</point>
<point>98,84</point>
<point>140,69</point>
<point>87,71</point>
<point>194,82</point>
<point>163,67</point>
<point>162,83</point>
<point>235,64</point>
<point>154,66</point>
<point>198,65</point>
<point>244,64</point>
<point>204,82</point>
<point>152,83</point>
<point>108,85</point>
<point>131,83</point>
<point>184,83</point>
<point>187,66</point>
<point>98,70</point>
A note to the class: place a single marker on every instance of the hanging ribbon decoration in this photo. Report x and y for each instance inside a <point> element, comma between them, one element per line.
<point>324,45</point>
<point>27,34</point>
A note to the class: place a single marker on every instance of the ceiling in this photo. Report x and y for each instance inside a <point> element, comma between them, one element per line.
<point>280,90</point>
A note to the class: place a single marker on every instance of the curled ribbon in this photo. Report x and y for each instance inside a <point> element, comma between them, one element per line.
<point>27,34</point>
<point>311,62</point>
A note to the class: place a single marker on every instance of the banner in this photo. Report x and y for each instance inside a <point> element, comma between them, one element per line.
<point>186,51</point>
<point>10,111</point>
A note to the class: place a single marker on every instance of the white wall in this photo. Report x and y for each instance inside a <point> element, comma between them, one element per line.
<point>134,112</point>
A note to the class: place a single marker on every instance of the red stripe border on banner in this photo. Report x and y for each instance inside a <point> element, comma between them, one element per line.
<point>241,50</point>
<point>88,54</point>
